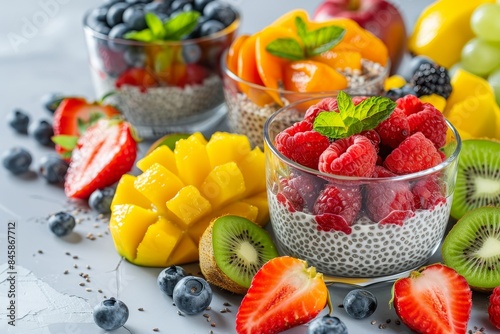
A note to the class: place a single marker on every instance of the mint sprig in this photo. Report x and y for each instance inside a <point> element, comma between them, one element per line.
<point>351,119</point>
<point>312,43</point>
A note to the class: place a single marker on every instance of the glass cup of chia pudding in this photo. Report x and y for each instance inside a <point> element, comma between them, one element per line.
<point>161,87</point>
<point>363,229</point>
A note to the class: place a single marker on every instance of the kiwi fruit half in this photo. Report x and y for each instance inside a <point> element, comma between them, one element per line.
<point>478,177</point>
<point>472,248</point>
<point>232,250</point>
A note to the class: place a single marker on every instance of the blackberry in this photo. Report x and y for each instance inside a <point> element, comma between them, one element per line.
<point>431,79</point>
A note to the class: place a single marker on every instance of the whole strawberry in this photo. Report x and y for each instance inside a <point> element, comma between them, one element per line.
<point>494,307</point>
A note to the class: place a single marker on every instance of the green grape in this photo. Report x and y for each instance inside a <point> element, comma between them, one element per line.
<point>480,57</point>
<point>494,81</point>
<point>485,22</point>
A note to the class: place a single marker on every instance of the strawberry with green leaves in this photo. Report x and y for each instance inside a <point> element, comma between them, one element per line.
<point>434,300</point>
<point>283,294</point>
<point>104,152</point>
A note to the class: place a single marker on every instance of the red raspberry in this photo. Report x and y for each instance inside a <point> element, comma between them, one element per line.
<point>414,154</point>
<point>380,171</point>
<point>389,203</point>
<point>351,156</point>
<point>308,186</point>
<point>428,193</point>
<point>394,129</point>
<point>290,197</point>
<point>301,144</point>
<point>423,117</point>
<point>374,138</point>
<point>337,207</point>
<point>327,104</point>
<point>494,307</point>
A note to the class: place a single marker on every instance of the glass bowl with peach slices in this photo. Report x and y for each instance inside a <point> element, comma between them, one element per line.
<point>295,58</point>
<point>159,61</point>
<point>360,187</point>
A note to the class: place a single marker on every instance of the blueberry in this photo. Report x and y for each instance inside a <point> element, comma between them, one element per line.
<point>397,93</point>
<point>211,27</point>
<point>179,4</point>
<point>100,200</point>
<point>134,57</point>
<point>17,160</point>
<point>53,169</point>
<point>191,53</point>
<point>43,132</point>
<point>110,314</point>
<point>220,11</point>
<point>51,101</point>
<point>101,28</point>
<point>61,223</point>
<point>19,121</point>
<point>327,325</point>
<point>199,5</point>
<point>158,8</point>
<point>134,17</point>
<point>168,278</point>
<point>359,303</point>
<point>135,2</point>
<point>117,32</point>
<point>115,13</point>
<point>192,295</point>
<point>108,3</point>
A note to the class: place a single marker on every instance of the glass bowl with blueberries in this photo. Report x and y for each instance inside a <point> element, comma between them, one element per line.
<point>159,61</point>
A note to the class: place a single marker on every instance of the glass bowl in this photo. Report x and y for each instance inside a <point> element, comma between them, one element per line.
<point>249,105</point>
<point>369,249</point>
<point>161,87</point>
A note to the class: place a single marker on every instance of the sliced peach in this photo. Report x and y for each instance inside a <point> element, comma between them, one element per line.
<point>312,76</point>
<point>340,59</point>
<point>233,52</point>
<point>288,20</point>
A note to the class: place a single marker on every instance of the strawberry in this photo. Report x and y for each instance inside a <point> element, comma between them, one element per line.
<point>102,155</point>
<point>494,307</point>
<point>435,300</point>
<point>283,294</point>
<point>137,77</point>
<point>194,75</point>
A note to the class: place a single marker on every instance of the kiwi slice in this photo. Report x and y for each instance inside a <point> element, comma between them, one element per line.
<point>478,177</point>
<point>232,250</point>
<point>472,248</point>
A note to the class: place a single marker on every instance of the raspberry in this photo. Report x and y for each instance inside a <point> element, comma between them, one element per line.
<point>394,129</point>
<point>431,79</point>
<point>301,144</point>
<point>351,156</point>
<point>414,154</point>
<point>423,117</point>
<point>428,193</point>
<point>374,138</point>
<point>382,172</point>
<point>389,203</point>
<point>290,197</point>
<point>327,104</point>
<point>494,307</point>
<point>308,187</point>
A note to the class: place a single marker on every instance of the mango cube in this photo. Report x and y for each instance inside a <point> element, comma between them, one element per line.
<point>259,201</point>
<point>127,194</point>
<point>185,252</point>
<point>225,147</point>
<point>189,205</point>
<point>253,168</point>
<point>223,184</point>
<point>192,160</point>
<point>162,155</point>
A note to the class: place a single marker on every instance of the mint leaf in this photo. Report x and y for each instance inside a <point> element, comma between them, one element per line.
<point>288,48</point>
<point>353,119</point>
<point>180,25</point>
<point>145,35</point>
<point>65,141</point>
<point>155,24</point>
<point>320,40</point>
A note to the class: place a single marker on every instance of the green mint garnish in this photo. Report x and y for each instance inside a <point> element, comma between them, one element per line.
<point>353,119</point>
<point>173,29</point>
<point>65,141</point>
<point>314,42</point>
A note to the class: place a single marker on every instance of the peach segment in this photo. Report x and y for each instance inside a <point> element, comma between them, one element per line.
<point>191,159</point>
<point>253,169</point>
<point>189,205</point>
<point>158,243</point>
<point>224,147</point>
<point>223,184</point>
<point>259,201</point>
<point>127,225</point>
<point>234,51</point>
<point>312,76</point>
<point>340,59</point>
<point>127,194</point>
<point>162,155</point>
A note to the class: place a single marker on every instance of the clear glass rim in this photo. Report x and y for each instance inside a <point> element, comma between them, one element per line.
<point>270,145</point>
<point>236,78</point>
<point>226,31</point>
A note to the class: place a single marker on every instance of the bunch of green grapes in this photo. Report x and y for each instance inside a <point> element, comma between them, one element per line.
<point>481,55</point>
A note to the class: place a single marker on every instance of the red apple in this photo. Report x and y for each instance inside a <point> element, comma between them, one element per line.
<point>380,17</point>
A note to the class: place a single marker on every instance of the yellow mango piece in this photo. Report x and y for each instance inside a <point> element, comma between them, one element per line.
<point>224,147</point>
<point>158,243</point>
<point>189,205</point>
<point>260,201</point>
<point>185,252</point>
<point>253,168</point>
<point>127,194</point>
<point>437,101</point>
<point>192,160</point>
<point>223,184</point>
<point>127,225</point>
<point>199,137</point>
<point>158,184</point>
<point>162,155</point>
<point>394,81</point>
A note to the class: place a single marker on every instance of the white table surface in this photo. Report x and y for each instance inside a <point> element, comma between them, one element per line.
<point>52,58</point>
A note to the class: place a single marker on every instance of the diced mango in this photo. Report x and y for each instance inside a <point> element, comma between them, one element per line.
<point>192,160</point>
<point>223,184</point>
<point>127,194</point>
<point>127,225</point>
<point>185,252</point>
<point>260,201</point>
<point>158,243</point>
<point>189,205</point>
<point>158,184</point>
<point>162,155</point>
<point>253,168</point>
<point>225,147</point>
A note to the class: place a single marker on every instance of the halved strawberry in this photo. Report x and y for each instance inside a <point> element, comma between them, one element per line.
<point>284,293</point>
<point>435,300</point>
<point>103,154</point>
